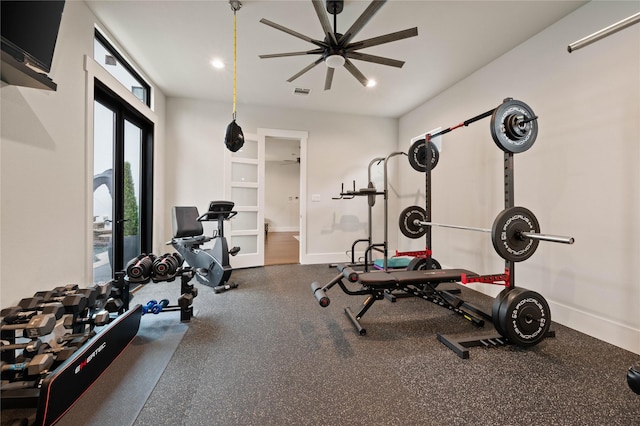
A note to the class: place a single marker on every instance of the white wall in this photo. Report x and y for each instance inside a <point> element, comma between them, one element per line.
<point>45,174</point>
<point>339,150</point>
<point>282,196</point>
<point>580,178</point>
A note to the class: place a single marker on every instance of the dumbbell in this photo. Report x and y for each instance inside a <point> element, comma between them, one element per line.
<point>139,268</point>
<point>114,304</point>
<point>98,319</point>
<point>158,307</point>
<point>32,346</point>
<point>35,366</point>
<point>73,303</point>
<point>150,304</point>
<point>102,289</point>
<point>14,314</point>
<point>38,325</point>
<point>75,339</point>
<point>166,265</point>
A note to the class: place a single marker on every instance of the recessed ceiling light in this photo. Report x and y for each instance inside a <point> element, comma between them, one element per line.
<point>217,64</point>
<point>371,83</point>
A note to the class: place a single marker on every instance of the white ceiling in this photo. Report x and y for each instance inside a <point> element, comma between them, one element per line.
<point>174,41</point>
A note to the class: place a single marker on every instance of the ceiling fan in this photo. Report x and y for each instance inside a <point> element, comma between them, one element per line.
<point>337,49</point>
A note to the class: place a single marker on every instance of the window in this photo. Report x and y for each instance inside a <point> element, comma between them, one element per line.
<point>107,56</point>
<point>122,165</point>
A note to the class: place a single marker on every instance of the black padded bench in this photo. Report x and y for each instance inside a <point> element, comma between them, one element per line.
<point>421,283</point>
<point>389,280</point>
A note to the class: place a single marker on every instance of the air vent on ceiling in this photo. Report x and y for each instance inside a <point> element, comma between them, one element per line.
<point>301,91</point>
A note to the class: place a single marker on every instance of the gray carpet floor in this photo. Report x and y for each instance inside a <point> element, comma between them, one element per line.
<point>267,354</point>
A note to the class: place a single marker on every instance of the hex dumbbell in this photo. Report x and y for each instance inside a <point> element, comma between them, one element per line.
<point>15,313</point>
<point>35,366</point>
<point>37,326</point>
<point>98,319</point>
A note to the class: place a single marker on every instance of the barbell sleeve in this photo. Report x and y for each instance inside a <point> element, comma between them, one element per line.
<point>549,238</point>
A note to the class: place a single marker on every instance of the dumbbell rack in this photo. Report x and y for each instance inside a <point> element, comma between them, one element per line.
<point>53,392</point>
<point>188,291</point>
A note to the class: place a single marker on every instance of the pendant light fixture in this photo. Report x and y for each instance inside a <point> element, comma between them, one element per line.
<point>234,138</point>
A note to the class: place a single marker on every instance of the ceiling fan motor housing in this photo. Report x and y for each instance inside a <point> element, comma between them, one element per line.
<point>335,6</point>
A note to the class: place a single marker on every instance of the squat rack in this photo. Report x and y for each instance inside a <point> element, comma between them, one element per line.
<point>371,192</point>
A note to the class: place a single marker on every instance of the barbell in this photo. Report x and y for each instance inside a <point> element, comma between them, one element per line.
<point>515,233</point>
<point>514,129</point>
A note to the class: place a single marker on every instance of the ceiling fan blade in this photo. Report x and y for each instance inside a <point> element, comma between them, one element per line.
<point>324,21</point>
<point>375,59</point>
<point>329,79</point>
<point>280,55</point>
<point>368,13</point>
<point>355,72</point>
<point>293,33</point>
<point>305,69</point>
<point>387,38</point>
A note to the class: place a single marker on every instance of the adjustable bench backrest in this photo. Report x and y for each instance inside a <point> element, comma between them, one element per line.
<point>185,222</point>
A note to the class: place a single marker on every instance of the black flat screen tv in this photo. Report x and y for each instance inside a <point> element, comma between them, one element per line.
<point>29,30</point>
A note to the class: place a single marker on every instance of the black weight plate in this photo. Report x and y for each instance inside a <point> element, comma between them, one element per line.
<point>510,128</point>
<point>505,234</point>
<point>421,264</point>
<point>417,155</point>
<point>495,311</point>
<point>406,222</point>
<point>527,318</point>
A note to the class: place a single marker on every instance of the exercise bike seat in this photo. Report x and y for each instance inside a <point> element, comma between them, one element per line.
<point>186,225</point>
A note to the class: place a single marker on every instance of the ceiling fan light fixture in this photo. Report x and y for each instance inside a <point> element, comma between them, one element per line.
<point>334,61</point>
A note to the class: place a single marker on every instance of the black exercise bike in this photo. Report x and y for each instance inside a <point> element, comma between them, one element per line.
<point>211,265</point>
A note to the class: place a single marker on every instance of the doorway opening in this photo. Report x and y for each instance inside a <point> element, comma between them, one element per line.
<point>282,201</point>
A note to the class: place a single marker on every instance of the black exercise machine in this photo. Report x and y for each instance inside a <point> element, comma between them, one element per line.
<point>211,265</point>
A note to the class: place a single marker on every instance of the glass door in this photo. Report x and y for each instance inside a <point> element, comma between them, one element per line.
<point>122,185</point>
<point>131,192</point>
<point>103,141</point>
<point>244,186</point>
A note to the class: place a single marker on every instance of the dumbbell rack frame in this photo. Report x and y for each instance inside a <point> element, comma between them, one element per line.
<point>60,389</point>
<point>185,273</point>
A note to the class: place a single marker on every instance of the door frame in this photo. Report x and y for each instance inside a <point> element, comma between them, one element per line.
<point>126,113</point>
<point>95,72</point>
<point>302,136</point>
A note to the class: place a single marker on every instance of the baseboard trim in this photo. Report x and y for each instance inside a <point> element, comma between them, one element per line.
<point>600,328</point>
<point>318,258</point>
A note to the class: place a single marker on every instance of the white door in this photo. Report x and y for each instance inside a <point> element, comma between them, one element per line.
<point>244,185</point>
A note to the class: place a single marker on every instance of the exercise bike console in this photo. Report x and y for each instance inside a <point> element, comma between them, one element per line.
<point>212,264</point>
<point>218,210</point>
